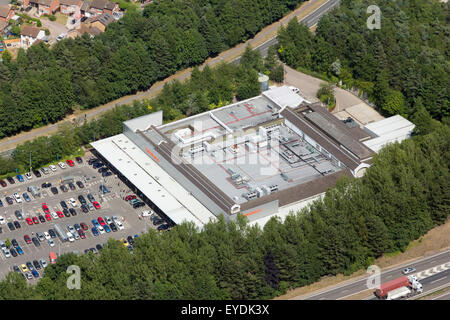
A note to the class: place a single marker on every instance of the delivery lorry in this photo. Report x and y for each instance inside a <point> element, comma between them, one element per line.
<point>399,288</point>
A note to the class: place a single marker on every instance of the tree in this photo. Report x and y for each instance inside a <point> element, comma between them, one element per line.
<point>6,56</point>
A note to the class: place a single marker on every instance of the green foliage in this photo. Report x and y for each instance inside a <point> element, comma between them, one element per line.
<point>6,56</point>
<point>326,94</point>
<point>407,59</point>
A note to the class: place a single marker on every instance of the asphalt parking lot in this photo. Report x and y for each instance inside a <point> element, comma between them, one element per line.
<point>111,203</point>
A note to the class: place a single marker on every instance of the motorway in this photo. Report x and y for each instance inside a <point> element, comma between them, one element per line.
<point>353,287</point>
<point>311,18</point>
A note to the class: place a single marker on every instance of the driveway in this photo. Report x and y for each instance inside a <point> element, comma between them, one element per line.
<point>55,29</point>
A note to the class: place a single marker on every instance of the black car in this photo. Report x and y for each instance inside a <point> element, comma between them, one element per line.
<point>17,224</point>
<point>81,199</point>
<point>10,180</point>
<point>52,233</point>
<point>1,230</point>
<point>3,183</point>
<point>41,218</point>
<point>99,247</point>
<point>37,173</point>
<point>1,203</point>
<point>46,185</point>
<point>16,269</point>
<point>64,205</point>
<point>113,227</point>
<point>35,241</point>
<point>29,265</point>
<point>92,160</point>
<point>18,215</point>
<point>107,174</point>
<point>9,200</point>
<point>138,204</point>
<point>130,240</point>
<point>90,197</point>
<point>14,242</point>
<point>97,165</point>
<point>54,190</point>
<point>84,19</point>
<point>37,265</point>
<point>84,208</point>
<point>163,227</point>
<point>63,188</point>
<point>158,221</point>
<point>102,169</point>
<point>86,251</point>
<point>79,159</point>
<point>66,213</point>
<point>13,252</point>
<point>71,186</point>
<point>80,184</point>
<point>73,212</point>
<point>11,226</point>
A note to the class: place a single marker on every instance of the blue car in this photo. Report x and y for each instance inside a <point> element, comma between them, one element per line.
<point>136,236</point>
<point>1,203</point>
<point>107,228</point>
<point>35,273</point>
<point>26,197</point>
<point>20,178</point>
<point>19,250</point>
<point>95,223</point>
<point>94,231</point>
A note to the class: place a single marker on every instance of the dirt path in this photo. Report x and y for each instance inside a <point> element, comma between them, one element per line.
<point>264,35</point>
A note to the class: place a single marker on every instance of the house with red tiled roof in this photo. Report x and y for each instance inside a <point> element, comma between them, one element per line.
<point>99,7</point>
<point>70,7</point>
<point>6,13</point>
<point>30,35</point>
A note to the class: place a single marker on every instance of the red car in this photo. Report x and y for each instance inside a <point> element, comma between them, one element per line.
<point>35,220</point>
<point>96,205</point>
<point>101,221</point>
<point>130,197</point>
<point>70,163</point>
<point>48,217</point>
<point>27,238</point>
<point>84,226</point>
<point>29,221</point>
<point>81,233</point>
<point>60,214</point>
<point>45,208</point>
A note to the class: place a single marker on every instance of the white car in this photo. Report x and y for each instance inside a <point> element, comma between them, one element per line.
<point>73,202</point>
<point>17,197</point>
<point>2,220</point>
<point>62,165</point>
<point>6,253</point>
<point>146,213</point>
<point>408,270</point>
<point>61,36</point>
<point>51,243</point>
<point>119,225</point>
<point>47,235</point>
<point>71,229</point>
<point>294,89</point>
<point>52,167</point>
<point>28,175</point>
<point>76,235</point>
<point>101,230</point>
<point>108,220</point>
<point>54,215</point>
<point>43,262</point>
<point>70,236</point>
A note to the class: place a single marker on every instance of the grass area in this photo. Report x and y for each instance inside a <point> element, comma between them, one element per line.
<point>61,18</point>
<point>314,74</point>
<point>435,293</point>
<point>434,241</point>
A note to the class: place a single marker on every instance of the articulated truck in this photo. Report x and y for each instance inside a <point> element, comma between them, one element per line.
<point>402,287</point>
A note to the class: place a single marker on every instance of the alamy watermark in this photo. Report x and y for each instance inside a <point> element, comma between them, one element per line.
<point>374,21</point>
<point>74,281</point>
<point>374,280</point>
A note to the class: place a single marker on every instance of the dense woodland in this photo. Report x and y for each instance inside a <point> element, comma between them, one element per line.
<point>403,195</point>
<point>403,67</point>
<point>44,84</point>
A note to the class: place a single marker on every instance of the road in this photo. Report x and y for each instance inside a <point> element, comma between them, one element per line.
<point>353,287</point>
<point>309,13</point>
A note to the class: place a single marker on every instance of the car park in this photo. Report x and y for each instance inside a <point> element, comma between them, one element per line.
<point>20,178</point>
<point>28,175</point>
<point>52,167</point>
<point>62,165</point>
<point>11,226</point>
<point>80,184</point>
<point>26,197</point>
<point>70,163</point>
<point>54,190</point>
<point>41,218</point>
<point>63,188</point>
<point>17,224</point>
<point>35,220</point>
<point>3,183</point>
<point>10,180</point>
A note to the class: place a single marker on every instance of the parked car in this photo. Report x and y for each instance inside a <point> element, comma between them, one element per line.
<point>28,175</point>
<point>113,227</point>
<point>71,186</point>
<point>84,226</point>
<point>79,159</point>
<point>70,163</point>
<point>130,197</point>
<point>29,221</point>
<point>63,188</point>
<point>3,183</point>
<point>60,214</point>
<point>51,243</point>
<point>73,212</point>
<point>45,170</point>
<point>20,178</point>
<point>11,226</point>
<point>35,220</point>
<point>52,167</point>
<point>27,239</point>
<point>107,228</point>
<point>62,165</point>
<point>48,217</point>
<point>66,213</point>
<point>73,202</point>
<point>90,197</point>
<point>9,200</point>
<point>18,214</point>
<point>84,208</point>
<point>37,173</point>
<point>2,220</point>
<point>64,204</point>
<point>10,180</point>
<point>13,252</point>
<point>43,262</point>
<point>35,241</point>
<point>46,185</point>
<point>94,231</point>
<point>17,224</point>
<point>102,169</point>
<point>52,233</point>
<point>45,208</point>
<point>163,227</point>
<point>26,197</point>
<point>96,205</point>
<point>54,190</point>
<point>101,221</point>
<point>41,218</point>
<point>54,215</point>
<point>37,265</point>
<point>80,184</point>
<point>17,197</point>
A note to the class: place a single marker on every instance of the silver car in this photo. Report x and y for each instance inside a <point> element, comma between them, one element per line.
<point>408,270</point>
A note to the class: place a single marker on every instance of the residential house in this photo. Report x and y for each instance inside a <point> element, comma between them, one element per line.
<point>44,6</point>
<point>12,43</point>
<point>100,22</point>
<point>99,7</point>
<point>29,35</point>
<point>6,13</point>
<point>3,25</point>
<point>70,7</point>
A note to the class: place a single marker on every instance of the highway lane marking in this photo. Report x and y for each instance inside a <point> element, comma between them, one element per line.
<point>438,279</point>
